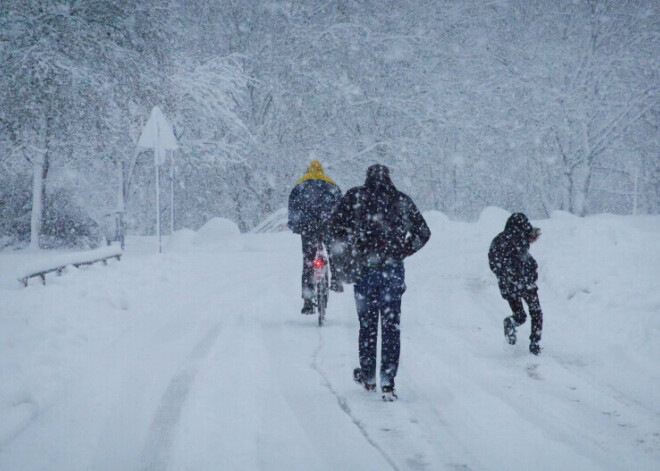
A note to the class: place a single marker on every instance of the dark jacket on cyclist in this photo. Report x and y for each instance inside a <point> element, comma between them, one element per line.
<point>383,227</point>
<point>311,203</point>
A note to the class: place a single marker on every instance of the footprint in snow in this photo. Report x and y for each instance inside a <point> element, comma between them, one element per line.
<point>532,371</point>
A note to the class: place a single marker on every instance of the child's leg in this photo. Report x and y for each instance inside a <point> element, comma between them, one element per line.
<point>511,322</point>
<point>519,315</point>
<point>532,300</point>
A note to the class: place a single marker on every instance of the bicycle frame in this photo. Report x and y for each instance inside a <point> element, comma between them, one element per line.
<point>321,282</point>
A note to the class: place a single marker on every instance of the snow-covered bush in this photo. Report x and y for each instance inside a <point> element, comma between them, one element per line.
<point>221,233</point>
<point>15,206</point>
<point>218,229</point>
<point>67,225</point>
<point>217,234</point>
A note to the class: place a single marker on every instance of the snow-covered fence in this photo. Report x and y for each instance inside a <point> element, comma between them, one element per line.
<point>59,262</point>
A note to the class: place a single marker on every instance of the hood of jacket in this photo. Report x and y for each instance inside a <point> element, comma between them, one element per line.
<point>315,172</point>
<point>378,178</point>
<point>520,225</point>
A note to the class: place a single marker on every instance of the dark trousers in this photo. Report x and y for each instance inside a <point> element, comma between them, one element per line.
<point>378,295</point>
<point>310,242</point>
<point>531,297</point>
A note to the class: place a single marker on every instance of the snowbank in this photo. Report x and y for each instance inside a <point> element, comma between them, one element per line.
<point>181,241</point>
<point>492,219</point>
<point>218,234</point>
<point>436,220</point>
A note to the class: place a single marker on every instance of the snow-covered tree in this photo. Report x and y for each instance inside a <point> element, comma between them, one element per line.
<point>70,67</point>
<point>529,105</point>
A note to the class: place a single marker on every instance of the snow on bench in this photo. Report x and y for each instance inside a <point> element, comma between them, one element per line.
<point>57,263</point>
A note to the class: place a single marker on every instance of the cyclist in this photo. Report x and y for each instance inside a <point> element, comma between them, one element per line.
<point>311,204</point>
<point>384,227</point>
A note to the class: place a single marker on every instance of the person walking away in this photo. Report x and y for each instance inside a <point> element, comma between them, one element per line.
<point>382,226</point>
<point>311,203</point>
<point>517,273</point>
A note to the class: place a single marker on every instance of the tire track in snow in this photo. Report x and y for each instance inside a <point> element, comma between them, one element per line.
<point>344,406</point>
<point>158,445</point>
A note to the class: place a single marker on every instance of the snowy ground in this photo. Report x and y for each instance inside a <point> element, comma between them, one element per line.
<point>198,359</point>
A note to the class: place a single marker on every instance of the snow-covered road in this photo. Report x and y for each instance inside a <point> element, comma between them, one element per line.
<point>198,359</point>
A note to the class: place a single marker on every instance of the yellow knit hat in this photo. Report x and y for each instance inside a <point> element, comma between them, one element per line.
<point>315,171</point>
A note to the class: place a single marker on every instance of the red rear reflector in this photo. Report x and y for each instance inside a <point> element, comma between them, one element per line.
<point>318,262</point>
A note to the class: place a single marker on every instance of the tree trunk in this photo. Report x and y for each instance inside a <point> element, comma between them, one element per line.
<point>40,173</point>
<point>40,169</point>
<point>35,222</point>
<point>579,181</point>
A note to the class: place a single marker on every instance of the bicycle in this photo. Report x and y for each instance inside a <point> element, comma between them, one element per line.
<point>321,282</point>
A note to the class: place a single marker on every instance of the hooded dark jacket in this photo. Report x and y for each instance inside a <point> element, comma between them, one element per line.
<point>510,260</point>
<point>379,222</point>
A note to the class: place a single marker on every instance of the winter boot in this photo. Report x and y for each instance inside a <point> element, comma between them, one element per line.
<point>534,348</point>
<point>357,377</point>
<point>510,330</point>
<point>388,394</point>
<point>308,307</point>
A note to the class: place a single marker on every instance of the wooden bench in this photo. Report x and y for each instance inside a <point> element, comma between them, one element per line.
<point>59,268</point>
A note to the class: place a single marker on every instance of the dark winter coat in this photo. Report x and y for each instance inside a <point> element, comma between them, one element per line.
<point>510,260</point>
<point>379,222</point>
<point>311,204</point>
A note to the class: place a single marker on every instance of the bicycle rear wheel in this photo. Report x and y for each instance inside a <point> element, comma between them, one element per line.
<point>322,298</point>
